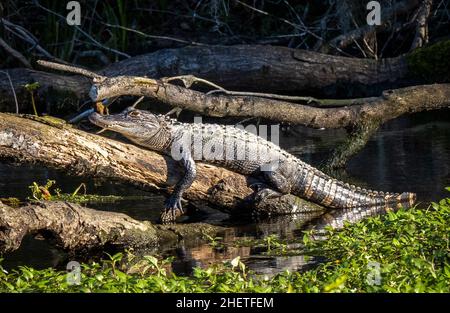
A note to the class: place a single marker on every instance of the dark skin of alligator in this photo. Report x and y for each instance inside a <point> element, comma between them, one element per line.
<point>239,151</point>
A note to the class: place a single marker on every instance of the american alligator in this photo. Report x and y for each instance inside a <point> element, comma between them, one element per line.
<point>239,151</point>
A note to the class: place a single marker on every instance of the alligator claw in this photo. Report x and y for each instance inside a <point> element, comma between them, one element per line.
<point>258,186</point>
<point>266,193</point>
<point>172,210</point>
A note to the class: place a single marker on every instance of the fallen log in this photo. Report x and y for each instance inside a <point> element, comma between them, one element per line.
<point>391,104</point>
<point>241,67</point>
<point>263,68</point>
<point>75,228</point>
<point>58,145</point>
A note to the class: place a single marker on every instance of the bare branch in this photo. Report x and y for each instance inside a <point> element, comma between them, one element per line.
<point>421,36</point>
<point>194,43</point>
<point>386,107</point>
<point>95,42</point>
<point>69,68</point>
<point>14,53</point>
<point>346,39</point>
<point>189,80</point>
<point>13,91</point>
<point>25,35</point>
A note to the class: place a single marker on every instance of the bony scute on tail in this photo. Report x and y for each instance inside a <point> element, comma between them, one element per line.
<point>239,151</point>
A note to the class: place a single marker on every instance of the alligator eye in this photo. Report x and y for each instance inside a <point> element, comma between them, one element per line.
<point>133,113</point>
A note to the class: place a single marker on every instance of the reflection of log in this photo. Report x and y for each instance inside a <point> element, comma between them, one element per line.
<point>81,153</point>
<point>73,227</point>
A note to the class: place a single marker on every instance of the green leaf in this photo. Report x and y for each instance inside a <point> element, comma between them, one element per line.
<point>152,260</point>
<point>235,261</point>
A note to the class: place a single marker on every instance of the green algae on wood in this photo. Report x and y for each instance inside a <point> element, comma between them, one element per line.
<point>430,63</point>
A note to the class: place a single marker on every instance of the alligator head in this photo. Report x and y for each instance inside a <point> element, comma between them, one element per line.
<point>134,124</point>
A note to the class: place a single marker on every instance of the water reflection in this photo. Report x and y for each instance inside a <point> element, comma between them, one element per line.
<point>286,227</point>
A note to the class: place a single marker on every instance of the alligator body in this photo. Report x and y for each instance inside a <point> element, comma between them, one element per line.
<point>239,151</point>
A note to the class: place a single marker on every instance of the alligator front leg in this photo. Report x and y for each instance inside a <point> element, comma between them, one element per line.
<point>172,207</point>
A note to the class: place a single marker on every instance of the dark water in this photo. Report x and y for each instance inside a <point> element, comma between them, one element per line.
<point>408,154</point>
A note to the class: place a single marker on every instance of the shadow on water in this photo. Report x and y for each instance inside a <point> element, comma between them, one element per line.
<point>408,154</point>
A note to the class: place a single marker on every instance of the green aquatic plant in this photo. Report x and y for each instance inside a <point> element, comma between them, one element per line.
<point>31,88</point>
<point>403,251</point>
<point>42,192</point>
<point>50,193</point>
<point>275,245</point>
<point>214,242</point>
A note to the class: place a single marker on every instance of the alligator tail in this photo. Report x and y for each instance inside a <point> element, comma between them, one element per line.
<point>318,187</point>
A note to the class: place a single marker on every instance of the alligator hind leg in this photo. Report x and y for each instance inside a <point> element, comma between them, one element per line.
<point>172,207</point>
<point>277,181</point>
<point>276,186</point>
<point>266,193</point>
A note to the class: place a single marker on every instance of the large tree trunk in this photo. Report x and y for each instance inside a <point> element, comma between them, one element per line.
<point>80,153</point>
